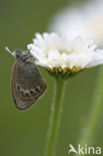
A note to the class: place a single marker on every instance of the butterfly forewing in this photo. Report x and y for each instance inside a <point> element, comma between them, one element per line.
<point>27,84</point>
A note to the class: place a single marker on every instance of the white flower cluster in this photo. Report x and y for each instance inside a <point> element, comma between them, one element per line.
<point>55,51</point>
<point>85,20</point>
<point>73,50</point>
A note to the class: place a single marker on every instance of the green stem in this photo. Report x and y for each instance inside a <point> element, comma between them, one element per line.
<point>96,111</point>
<point>55,117</point>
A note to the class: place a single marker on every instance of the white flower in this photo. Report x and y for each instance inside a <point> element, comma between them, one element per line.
<point>85,20</point>
<point>53,51</point>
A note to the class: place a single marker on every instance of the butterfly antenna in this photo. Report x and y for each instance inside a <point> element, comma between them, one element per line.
<point>8,50</point>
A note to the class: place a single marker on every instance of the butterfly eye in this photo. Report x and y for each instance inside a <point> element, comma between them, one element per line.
<point>27,94</point>
<point>22,91</point>
<point>18,87</point>
<point>36,89</point>
<point>17,55</point>
<point>31,92</point>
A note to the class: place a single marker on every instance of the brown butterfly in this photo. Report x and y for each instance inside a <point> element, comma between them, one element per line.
<point>26,83</point>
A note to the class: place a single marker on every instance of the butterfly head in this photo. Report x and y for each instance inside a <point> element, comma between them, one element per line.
<point>19,54</point>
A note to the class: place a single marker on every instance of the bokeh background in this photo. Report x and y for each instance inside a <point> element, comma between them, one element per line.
<point>24,133</point>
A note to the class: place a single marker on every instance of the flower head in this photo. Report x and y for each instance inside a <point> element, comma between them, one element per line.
<point>85,20</point>
<point>56,53</point>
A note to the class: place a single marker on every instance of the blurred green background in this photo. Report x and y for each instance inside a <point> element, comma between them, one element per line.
<point>24,133</point>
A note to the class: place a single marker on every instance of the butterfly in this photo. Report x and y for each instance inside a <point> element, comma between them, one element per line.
<point>27,84</point>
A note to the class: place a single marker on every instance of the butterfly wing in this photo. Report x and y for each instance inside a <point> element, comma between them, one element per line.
<point>27,84</point>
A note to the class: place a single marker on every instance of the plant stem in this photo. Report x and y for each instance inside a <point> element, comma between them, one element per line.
<point>55,117</point>
<point>96,111</point>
